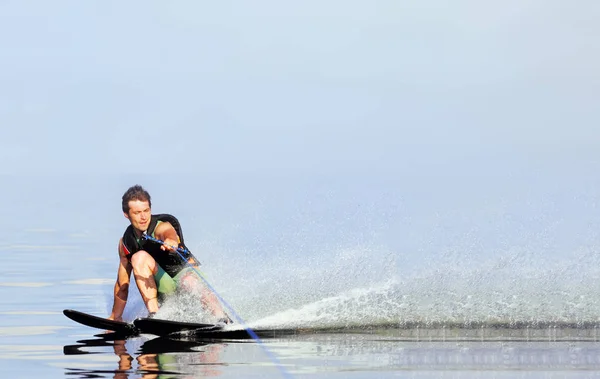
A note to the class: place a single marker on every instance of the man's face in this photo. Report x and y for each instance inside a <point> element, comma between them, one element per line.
<point>139,215</point>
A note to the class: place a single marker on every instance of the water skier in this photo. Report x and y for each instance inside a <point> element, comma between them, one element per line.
<point>158,269</point>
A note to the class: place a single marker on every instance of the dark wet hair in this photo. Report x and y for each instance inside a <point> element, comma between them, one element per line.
<point>136,192</point>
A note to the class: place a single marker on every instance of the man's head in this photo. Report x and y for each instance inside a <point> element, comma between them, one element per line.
<point>136,207</point>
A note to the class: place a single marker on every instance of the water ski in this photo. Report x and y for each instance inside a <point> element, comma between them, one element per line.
<point>164,328</point>
<point>154,326</point>
<point>161,327</point>
<point>119,327</point>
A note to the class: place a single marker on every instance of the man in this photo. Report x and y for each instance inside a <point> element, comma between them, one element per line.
<point>158,269</point>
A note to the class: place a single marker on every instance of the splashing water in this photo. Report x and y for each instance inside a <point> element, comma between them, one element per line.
<point>352,292</point>
<point>185,306</point>
<point>514,288</point>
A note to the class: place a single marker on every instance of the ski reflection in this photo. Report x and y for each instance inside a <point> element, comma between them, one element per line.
<point>154,358</point>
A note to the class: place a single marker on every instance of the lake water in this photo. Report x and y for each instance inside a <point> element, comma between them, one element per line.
<point>495,286</point>
<point>48,345</point>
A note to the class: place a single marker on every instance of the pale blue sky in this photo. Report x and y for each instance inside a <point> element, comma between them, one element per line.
<point>314,86</point>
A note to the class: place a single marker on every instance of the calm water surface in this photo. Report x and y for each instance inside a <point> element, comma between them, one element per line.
<point>62,350</point>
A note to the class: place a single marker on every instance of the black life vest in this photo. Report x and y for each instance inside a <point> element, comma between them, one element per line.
<point>171,262</point>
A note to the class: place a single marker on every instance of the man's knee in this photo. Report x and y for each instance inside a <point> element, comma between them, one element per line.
<point>141,260</point>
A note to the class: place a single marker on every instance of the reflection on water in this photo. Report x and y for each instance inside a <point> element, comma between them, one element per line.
<point>327,355</point>
<point>158,356</point>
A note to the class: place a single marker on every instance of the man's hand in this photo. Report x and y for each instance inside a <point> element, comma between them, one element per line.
<point>170,245</point>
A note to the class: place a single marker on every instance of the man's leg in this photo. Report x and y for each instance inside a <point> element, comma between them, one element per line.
<point>209,300</point>
<point>165,285</point>
<point>144,268</point>
<point>189,281</point>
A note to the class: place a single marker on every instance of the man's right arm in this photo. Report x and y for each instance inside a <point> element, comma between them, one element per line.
<point>121,286</point>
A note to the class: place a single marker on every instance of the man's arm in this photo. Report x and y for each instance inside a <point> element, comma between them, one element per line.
<point>167,233</point>
<point>121,286</point>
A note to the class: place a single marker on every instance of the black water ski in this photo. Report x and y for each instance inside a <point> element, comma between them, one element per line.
<point>160,327</point>
<point>163,328</point>
<point>119,327</point>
